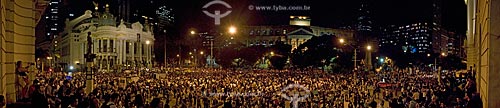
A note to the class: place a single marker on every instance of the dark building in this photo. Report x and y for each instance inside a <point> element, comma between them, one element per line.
<point>424,35</point>
<point>53,19</point>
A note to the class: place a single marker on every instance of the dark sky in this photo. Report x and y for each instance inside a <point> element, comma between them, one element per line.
<point>325,13</point>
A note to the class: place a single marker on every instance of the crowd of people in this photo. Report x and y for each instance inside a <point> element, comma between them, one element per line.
<point>253,89</point>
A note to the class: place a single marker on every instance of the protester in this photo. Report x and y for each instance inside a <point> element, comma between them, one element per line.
<point>2,101</point>
<point>253,89</point>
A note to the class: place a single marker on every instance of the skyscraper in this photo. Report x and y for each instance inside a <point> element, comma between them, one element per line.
<point>53,19</point>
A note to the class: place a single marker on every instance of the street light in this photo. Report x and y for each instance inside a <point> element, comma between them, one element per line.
<point>232,30</point>
<point>192,32</point>
<point>148,42</point>
<point>201,52</point>
<point>369,47</point>
<point>342,41</point>
<point>443,54</point>
<point>272,53</point>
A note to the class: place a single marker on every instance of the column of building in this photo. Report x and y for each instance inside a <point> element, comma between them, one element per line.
<point>119,45</point>
<point>123,52</point>
<point>132,52</point>
<point>17,37</point>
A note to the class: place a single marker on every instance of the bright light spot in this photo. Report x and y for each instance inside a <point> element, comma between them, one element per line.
<point>443,54</point>
<point>148,42</point>
<point>201,53</point>
<point>272,53</point>
<point>428,55</point>
<point>368,47</point>
<point>232,30</point>
<point>381,60</point>
<point>192,32</point>
<point>71,67</point>
<point>341,40</point>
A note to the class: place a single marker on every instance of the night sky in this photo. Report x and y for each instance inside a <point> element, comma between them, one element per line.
<point>327,13</point>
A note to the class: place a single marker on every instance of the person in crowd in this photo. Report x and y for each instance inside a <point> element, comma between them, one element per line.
<point>2,101</point>
<point>22,80</point>
<point>254,88</point>
<point>39,99</point>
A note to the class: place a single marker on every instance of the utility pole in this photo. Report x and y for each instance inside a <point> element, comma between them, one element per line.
<point>355,58</point>
<point>89,74</point>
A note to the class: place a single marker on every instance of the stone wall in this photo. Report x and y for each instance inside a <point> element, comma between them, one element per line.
<point>484,48</point>
<point>17,41</point>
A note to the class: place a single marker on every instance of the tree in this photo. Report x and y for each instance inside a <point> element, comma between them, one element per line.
<point>281,53</point>
<point>316,52</point>
<point>452,62</point>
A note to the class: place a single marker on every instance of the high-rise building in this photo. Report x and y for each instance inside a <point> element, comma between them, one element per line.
<point>425,35</point>
<point>364,21</point>
<point>54,19</point>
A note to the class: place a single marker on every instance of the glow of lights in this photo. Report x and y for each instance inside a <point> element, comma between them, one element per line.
<point>291,17</point>
<point>341,40</point>
<point>232,30</point>
<point>178,55</point>
<point>272,53</point>
<point>148,42</point>
<point>368,47</point>
<point>201,53</point>
<point>192,32</point>
<point>382,60</point>
<point>190,53</point>
<point>71,67</point>
<point>442,54</point>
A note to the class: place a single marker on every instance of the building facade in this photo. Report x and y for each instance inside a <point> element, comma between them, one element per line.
<point>116,44</point>
<point>296,33</point>
<point>17,32</point>
<point>422,38</point>
<point>483,46</point>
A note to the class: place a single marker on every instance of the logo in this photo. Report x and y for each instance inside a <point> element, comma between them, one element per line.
<point>296,96</point>
<point>217,15</point>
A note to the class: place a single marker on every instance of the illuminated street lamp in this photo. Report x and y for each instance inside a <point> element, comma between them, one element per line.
<point>232,30</point>
<point>272,53</point>
<point>192,32</point>
<point>341,41</point>
<point>201,52</point>
<point>369,47</point>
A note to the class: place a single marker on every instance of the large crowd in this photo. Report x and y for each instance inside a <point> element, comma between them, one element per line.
<point>253,89</point>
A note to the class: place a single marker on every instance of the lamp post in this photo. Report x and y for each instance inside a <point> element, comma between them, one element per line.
<point>342,41</point>
<point>201,53</point>
<point>148,54</point>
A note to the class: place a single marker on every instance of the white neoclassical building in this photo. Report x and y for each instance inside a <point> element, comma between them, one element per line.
<point>115,44</point>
